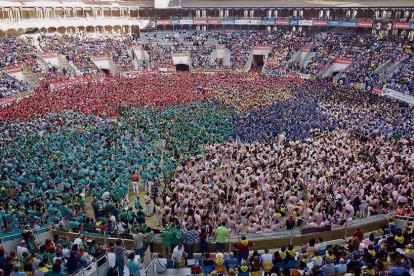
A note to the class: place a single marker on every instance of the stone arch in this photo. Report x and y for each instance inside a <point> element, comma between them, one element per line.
<point>108,29</point>
<point>11,32</point>
<point>117,29</point>
<point>61,30</point>
<point>90,29</point>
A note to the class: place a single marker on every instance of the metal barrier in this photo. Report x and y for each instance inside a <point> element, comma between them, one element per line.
<point>11,241</point>
<point>150,269</point>
<point>95,268</point>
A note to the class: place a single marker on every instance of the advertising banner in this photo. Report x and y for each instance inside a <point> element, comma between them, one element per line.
<point>343,60</point>
<point>200,21</point>
<point>227,22</point>
<point>282,22</point>
<point>12,69</point>
<point>364,24</point>
<point>186,22</point>
<point>263,47</point>
<point>401,26</point>
<point>48,54</point>
<point>305,22</point>
<point>164,22</point>
<point>268,22</point>
<point>377,89</point>
<point>334,23</point>
<point>412,25</point>
<point>68,83</point>
<point>293,22</point>
<point>247,22</point>
<point>351,24</point>
<point>318,22</point>
<point>213,21</point>
<point>398,95</point>
<point>175,22</point>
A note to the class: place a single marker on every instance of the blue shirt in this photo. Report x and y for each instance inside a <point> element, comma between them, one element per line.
<point>133,267</point>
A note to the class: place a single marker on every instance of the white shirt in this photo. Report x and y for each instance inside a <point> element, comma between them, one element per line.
<point>267,258</point>
<point>177,254</point>
<point>66,252</point>
<point>77,241</point>
<point>160,265</point>
<point>320,246</point>
<point>20,250</point>
<point>111,259</point>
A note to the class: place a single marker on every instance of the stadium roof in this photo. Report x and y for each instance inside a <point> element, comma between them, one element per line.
<point>225,3</point>
<point>299,3</point>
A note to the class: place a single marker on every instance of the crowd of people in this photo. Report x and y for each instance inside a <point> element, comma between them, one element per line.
<point>367,53</point>
<point>247,152</point>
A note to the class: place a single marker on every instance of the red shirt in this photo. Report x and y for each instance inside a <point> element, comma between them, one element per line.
<point>244,248</point>
<point>359,235</point>
<point>134,178</point>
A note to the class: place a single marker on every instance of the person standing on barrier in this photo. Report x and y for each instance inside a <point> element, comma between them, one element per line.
<point>120,252</point>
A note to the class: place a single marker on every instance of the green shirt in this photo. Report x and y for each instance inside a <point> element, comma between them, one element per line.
<point>177,237</point>
<point>222,233</point>
<point>166,238</point>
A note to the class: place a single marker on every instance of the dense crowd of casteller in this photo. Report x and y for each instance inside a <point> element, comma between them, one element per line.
<point>371,56</point>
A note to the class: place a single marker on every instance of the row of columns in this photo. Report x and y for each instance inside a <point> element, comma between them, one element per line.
<point>16,14</point>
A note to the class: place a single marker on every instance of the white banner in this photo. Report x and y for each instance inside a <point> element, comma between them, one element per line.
<point>186,22</point>
<point>305,22</point>
<point>247,22</point>
<point>399,96</point>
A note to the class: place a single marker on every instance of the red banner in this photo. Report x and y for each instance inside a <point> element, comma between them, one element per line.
<point>69,83</point>
<point>343,60</point>
<point>400,25</point>
<point>8,100</point>
<point>164,22</point>
<point>364,23</point>
<point>214,21</point>
<point>263,47</point>
<point>12,69</point>
<point>200,21</point>
<point>100,57</point>
<point>377,90</point>
<point>306,49</point>
<point>319,22</point>
<point>48,54</point>
<point>282,22</point>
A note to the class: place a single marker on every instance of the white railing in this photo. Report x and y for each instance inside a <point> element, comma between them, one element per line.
<point>98,267</point>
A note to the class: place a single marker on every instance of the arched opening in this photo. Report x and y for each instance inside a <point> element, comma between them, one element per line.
<point>117,29</point>
<point>258,62</point>
<point>11,32</point>
<point>90,29</point>
<point>182,67</point>
<point>108,29</point>
<point>61,30</point>
<point>106,72</point>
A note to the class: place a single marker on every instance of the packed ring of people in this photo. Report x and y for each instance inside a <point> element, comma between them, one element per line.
<point>113,152</point>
